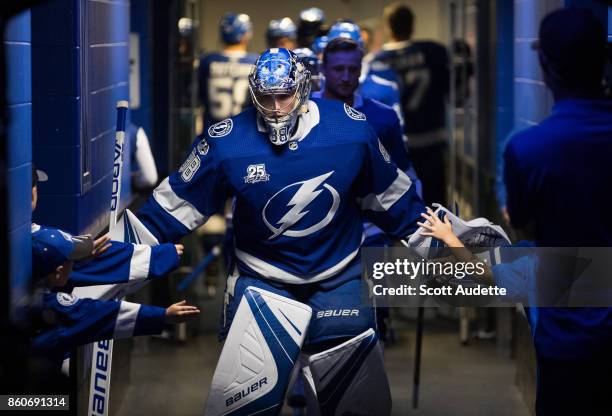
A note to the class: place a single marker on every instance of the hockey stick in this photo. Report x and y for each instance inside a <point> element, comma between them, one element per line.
<point>417,358</point>
<point>122,107</point>
<point>419,343</point>
<point>102,357</point>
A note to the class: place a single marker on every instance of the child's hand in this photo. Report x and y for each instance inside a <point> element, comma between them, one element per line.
<point>180,312</point>
<point>436,228</point>
<point>101,245</point>
<point>179,249</point>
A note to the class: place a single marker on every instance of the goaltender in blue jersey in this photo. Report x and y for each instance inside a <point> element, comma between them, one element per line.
<point>299,207</point>
<point>304,174</point>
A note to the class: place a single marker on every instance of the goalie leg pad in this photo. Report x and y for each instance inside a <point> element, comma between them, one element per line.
<point>350,378</point>
<point>260,351</point>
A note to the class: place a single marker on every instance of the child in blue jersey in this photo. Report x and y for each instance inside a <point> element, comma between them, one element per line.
<point>70,321</point>
<point>115,261</point>
<point>62,261</point>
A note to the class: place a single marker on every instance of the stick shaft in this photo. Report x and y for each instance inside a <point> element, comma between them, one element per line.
<point>122,107</point>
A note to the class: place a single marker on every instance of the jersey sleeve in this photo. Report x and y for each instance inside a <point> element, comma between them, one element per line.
<point>188,197</point>
<point>146,176</point>
<point>380,66</point>
<point>388,197</point>
<point>393,141</point>
<point>125,262</point>
<point>82,321</point>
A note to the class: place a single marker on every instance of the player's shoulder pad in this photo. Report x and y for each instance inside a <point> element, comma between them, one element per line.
<point>380,106</point>
<point>336,109</point>
<point>383,81</point>
<point>229,136</point>
<point>354,114</point>
<point>221,129</point>
<point>384,110</point>
<point>380,60</point>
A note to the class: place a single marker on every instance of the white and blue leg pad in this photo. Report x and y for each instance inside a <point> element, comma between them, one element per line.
<point>350,378</point>
<point>260,351</point>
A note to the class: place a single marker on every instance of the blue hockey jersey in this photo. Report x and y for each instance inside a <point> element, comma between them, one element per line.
<point>384,91</point>
<point>125,262</point>
<point>299,208</point>
<point>224,85</point>
<point>422,71</point>
<point>121,263</point>
<point>387,126</point>
<point>74,321</point>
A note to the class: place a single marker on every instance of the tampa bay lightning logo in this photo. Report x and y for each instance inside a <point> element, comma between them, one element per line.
<point>354,114</point>
<point>222,128</point>
<point>66,299</point>
<point>298,217</point>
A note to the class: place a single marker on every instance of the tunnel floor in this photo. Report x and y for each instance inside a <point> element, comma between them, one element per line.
<point>455,379</point>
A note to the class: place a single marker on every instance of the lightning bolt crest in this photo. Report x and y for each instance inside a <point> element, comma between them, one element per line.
<point>302,198</point>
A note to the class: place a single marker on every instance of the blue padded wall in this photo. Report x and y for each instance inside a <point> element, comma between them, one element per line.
<point>80,60</point>
<point>504,68</point>
<point>18,45</point>
<point>532,101</point>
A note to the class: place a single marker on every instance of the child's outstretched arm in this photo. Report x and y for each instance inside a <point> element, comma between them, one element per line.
<point>180,312</point>
<point>443,231</point>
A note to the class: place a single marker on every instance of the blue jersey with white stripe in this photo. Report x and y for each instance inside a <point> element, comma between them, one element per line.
<point>382,90</point>
<point>422,71</point>
<point>121,263</point>
<point>125,262</point>
<point>82,321</point>
<point>387,126</point>
<point>299,208</point>
<point>224,84</point>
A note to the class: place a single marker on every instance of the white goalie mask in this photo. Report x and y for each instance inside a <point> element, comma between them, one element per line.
<point>279,84</point>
